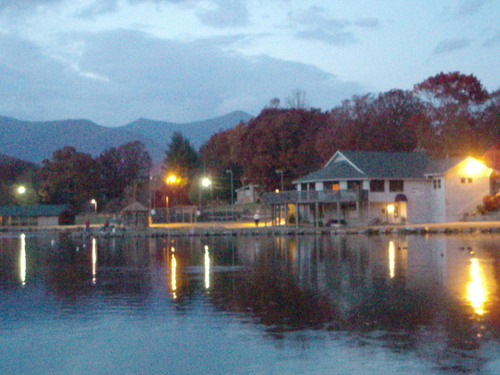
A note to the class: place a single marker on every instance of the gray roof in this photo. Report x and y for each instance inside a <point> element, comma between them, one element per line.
<point>442,165</point>
<point>35,210</point>
<point>349,165</point>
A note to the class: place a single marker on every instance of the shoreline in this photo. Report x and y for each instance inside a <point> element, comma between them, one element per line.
<point>249,229</point>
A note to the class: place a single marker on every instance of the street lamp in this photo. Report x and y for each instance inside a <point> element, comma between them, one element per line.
<point>205,183</point>
<point>232,186</point>
<point>94,202</point>
<point>280,172</point>
<point>21,189</point>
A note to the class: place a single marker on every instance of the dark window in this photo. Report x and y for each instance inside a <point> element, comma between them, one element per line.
<point>377,185</point>
<point>462,180</point>
<point>396,185</point>
<point>353,185</point>
<point>469,180</point>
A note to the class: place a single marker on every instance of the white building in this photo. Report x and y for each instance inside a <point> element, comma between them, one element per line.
<point>361,187</point>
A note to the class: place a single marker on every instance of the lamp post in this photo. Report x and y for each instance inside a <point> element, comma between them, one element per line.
<point>232,186</point>
<point>172,179</point>
<point>280,172</point>
<point>94,202</point>
<point>205,182</point>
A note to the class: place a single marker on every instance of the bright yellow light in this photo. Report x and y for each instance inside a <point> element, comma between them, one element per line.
<point>205,182</point>
<point>172,179</point>
<point>476,290</point>
<point>207,268</point>
<point>277,191</point>
<point>94,260</point>
<point>173,276</point>
<point>22,260</point>
<point>392,259</point>
<point>473,166</point>
<point>21,189</point>
<point>390,209</point>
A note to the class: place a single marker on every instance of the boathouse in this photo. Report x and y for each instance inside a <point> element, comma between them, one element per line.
<point>364,187</point>
<point>36,215</point>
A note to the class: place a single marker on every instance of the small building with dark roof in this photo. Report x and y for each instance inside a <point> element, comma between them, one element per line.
<point>135,215</point>
<point>36,215</point>
<point>361,187</point>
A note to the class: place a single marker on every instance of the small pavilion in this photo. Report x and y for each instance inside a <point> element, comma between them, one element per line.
<point>135,215</point>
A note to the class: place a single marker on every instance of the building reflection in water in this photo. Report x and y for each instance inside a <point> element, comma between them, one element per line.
<point>206,258</point>
<point>94,260</point>
<point>22,259</point>
<point>476,289</point>
<point>173,273</point>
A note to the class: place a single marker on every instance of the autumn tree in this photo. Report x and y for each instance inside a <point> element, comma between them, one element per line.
<point>70,177</point>
<point>124,170</point>
<point>280,140</point>
<point>455,103</point>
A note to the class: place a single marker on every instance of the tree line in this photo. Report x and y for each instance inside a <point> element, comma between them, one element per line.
<point>71,177</point>
<point>446,115</point>
<point>450,114</point>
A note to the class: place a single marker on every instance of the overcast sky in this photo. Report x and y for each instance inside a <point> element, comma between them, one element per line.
<point>114,61</point>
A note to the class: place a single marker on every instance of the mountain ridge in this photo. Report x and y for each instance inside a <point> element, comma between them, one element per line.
<point>35,141</point>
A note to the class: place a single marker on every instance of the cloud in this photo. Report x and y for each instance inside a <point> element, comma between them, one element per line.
<point>227,13</point>
<point>26,5</point>
<point>470,7</point>
<point>98,7</point>
<point>450,45</point>
<point>123,75</point>
<point>493,41</point>
<point>367,22</point>
<point>315,24</point>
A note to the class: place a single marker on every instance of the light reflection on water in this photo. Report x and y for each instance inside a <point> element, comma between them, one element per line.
<point>306,304</point>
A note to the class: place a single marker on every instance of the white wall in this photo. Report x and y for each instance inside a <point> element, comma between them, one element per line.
<point>48,220</point>
<point>461,198</point>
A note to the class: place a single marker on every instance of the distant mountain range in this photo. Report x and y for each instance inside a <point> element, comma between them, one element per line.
<point>36,141</point>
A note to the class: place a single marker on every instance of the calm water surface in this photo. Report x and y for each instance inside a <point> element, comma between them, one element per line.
<point>250,305</point>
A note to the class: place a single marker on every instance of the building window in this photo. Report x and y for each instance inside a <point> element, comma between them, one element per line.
<point>331,185</point>
<point>436,184</point>
<point>377,186</point>
<point>396,185</point>
<point>464,180</point>
<point>353,185</point>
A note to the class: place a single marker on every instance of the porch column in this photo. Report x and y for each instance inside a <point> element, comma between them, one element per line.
<point>316,215</point>
<point>286,214</point>
<point>297,216</point>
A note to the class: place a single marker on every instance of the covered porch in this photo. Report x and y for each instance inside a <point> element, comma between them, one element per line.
<point>316,207</point>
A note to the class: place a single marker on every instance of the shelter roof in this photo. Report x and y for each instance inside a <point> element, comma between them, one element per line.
<point>34,210</point>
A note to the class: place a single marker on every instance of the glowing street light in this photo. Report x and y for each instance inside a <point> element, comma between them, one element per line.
<point>94,202</point>
<point>205,183</point>
<point>21,189</point>
<point>172,179</point>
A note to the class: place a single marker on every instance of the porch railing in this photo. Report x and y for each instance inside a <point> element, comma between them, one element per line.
<point>314,196</point>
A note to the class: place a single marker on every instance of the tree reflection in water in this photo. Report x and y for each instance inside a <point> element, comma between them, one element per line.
<point>436,298</point>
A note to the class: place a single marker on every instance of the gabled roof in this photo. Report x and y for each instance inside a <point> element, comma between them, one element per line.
<point>35,210</point>
<point>369,165</point>
<point>135,207</point>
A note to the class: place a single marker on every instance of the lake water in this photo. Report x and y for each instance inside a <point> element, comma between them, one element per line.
<point>250,305</point>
